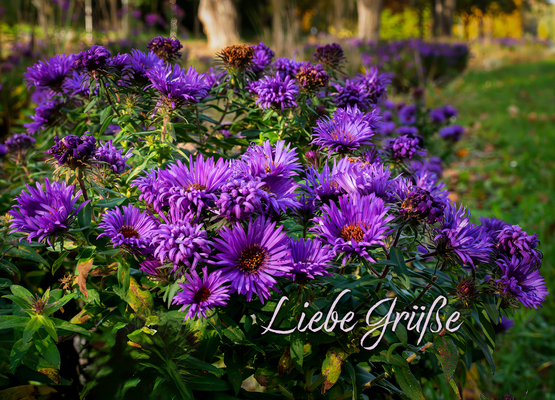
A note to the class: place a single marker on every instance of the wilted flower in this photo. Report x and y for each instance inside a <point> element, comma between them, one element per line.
<point>237,57</point>
<point>309,259</point>
<point>358,224</point>
<point>420,205</point>
<point>165,48</point>
<point>276,93</point>
<point>331,56</point>
<point>465,290</point>
<point>252,260</point>
<point>73,151</point>
<point>200,295</point>
<point>45,212</point>
<point>311,77</point>
<point>131,229</point>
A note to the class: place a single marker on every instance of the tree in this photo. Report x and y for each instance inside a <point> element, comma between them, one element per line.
<point>285,27</point>
<point>219,22</point>
<point>369,12</point>
<point>449,8</point>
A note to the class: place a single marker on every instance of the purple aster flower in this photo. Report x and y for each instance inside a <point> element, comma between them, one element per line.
<point>513,241</point>
<point>265,160</point>
<point>45,212</point>
<point>3,150</point>
<point>386,128</point>
<point>77,84</point>
<point>358,224</point>
<point>520,282</point>
<point>411,131</point>
<point>309,259</point>
<point>493,225</point>
<point>374,84</point>
<point>155,269</point>
<point>428,181</point>
<point>285,67</point>
<point>407,114</point>
<point>131,229</point>
<point>331,56</point>
<point>504,325</point>
<point>432,165</point>
<point>280,193</point>
<point>93,59</point>
<point>389,104</point>
<point>19,144</point>
<point>72,150</point>
<point>352,94</point>
<point>311,77</point>
<point>344,132</point>
<point>141,62</point>
<point>215,77</point>
<point>239,198</point>
<point>263,57</point>
<point>154,189</point>
<point>404,147</point>
<point>324,186</point>
<point>252,260</point>
<point>49,74</point>
<point>112,157</point>
<point>437,116</point>
<point>276,93</point>
<point>181,243</point>
<point>420,205</point>
<point>153,19</point>
<point>452,133</point>
<point>165,48</point>
<point>200,295</point>
<point>177,87</point>
<point>119,62</point>
<point>450,111</point>
<point>46,115</point>
<point>459,240</point>
<point>194,188</point>
<point>370,179</point>
<point>387,116</point>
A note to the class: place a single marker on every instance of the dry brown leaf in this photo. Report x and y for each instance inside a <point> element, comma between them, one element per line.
<point>84,268</point>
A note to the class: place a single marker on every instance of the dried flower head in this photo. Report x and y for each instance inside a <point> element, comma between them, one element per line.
<point>236,57</point>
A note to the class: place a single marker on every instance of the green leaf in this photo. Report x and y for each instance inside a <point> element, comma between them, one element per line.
<point>53,307</point>
<point>27,253</point>
<point>13,321</point>
<point>84,218</point>
<point>195,363</point>
<point>408,383</point>
<point>331,367</point>
<point>448,357</point>
<point>402,334</point>
<point>21,292</point>
<point>353,376</point>
<point>234,370</point>
<point>59,262</point>
<point>11,269</point>
<point>208,383</point>
<point>68,326</point>
<point>19,349</point>
<point>47,348</point>
<point>49,326</point>
<point>400,267</point>
<point>91,105</point>
<point>110,203</point>
<point>32,326</point>
<point>105,114</point>
<point>296,349</point>
<point>477,339</point>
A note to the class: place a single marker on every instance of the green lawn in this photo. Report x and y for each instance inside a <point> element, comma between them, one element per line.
<point>509,173</point>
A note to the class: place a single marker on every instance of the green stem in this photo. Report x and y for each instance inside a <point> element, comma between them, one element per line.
<point>321,378</point>
<point>108,97</point>
<point>81,183</point>
<point>286,393</point>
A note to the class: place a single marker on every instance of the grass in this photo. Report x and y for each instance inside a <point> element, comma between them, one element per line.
<point>506,169</point>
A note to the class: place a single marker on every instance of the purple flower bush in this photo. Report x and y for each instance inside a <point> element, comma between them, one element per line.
<point>250,217</point>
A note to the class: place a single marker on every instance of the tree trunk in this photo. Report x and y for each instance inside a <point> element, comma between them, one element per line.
<point>437,7</point>
<point>219,22</point>
<point>339,15</point>
<point>285,27</point>
<point>449,7</point>
<point>114,14</point>
<point>369,12</point>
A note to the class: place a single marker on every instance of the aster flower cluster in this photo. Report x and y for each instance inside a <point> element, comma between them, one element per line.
<point>311,77</point>
<point>73,151</point>
<point>262,58</point>
<point>113,158</point>
<point>276,93</point>
<point>168,49</point>
<point>92,60</point>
